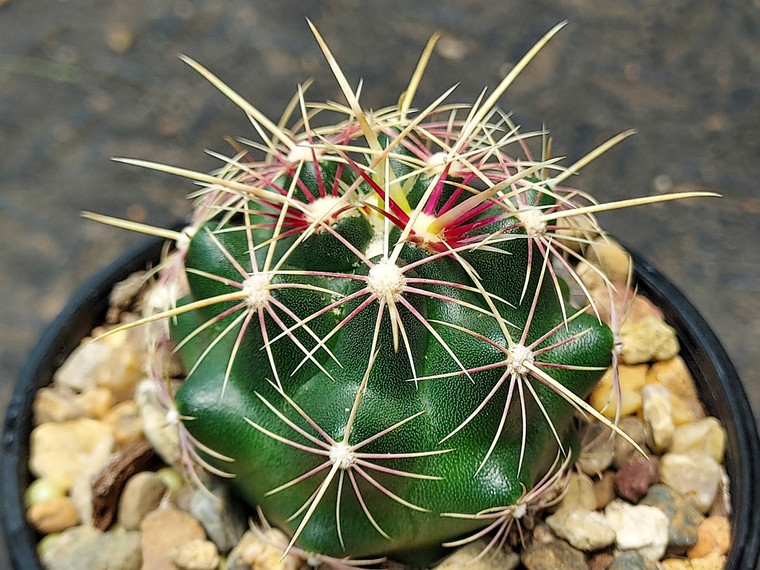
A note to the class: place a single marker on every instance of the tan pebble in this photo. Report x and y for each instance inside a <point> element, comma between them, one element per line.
<point>142,494</point>
<point>58,404</point>
<point>675,564</point>
<point>647,339</point>
<point>579,494</point>
<point>713,537</point>
<point>607,299</point>
<point>705,436</point>
<point>674,374</point>
<point>470,556</point>
<point>709,562</point>
<point>162,434</point>
<point>81,370</point>
<point>74,539</point>
<point>53,515</point>
<point>641,308</point>
<point>686,411</point>
<point>113,362</point>
<point>597,449</point>
<point>592,278</point>
<point>604,489</point>
<point>638,527</point>
<point>196,555</point>
<point>264,552</point>
<point>163,530</point>
<point>631,379</point>
<point>234,558</point>
<point>51,405</point>
<point>125,369</point>
<point>609,256</point>
<point>605,400</point>
<point>126,422</point>
<point>90,465</point>
<point>657,411</point>
<point>96,402</point>
<point>57,450</point>
<point>542,534</point>
<point>635,428</point>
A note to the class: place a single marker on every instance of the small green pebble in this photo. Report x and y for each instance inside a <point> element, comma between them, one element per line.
<point>47,542</point>
<point>42,490</point>
<point>170,478</point>
<point>222,563</point>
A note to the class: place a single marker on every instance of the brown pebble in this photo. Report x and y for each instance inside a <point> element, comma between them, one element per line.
<point>713,537</point>
<point>636,429</point>
<point>632,481</point>
<point>553,555</point>
<point>543,534</point>
<point>604,489</point>
<point>141,495</point>
<point>107,485</point>
<point>600,561</point>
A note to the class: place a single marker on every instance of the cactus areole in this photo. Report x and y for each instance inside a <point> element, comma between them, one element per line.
<point>384,338</point>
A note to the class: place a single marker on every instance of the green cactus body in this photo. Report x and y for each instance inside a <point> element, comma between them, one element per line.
<point>384,336</point>
<point>368,389</point>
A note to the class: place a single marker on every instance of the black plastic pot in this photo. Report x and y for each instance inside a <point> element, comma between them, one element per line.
<point>717,381</point>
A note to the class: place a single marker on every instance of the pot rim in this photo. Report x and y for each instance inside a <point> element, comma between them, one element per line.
<point>718,383</point>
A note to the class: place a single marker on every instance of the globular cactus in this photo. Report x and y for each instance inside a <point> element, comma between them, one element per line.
<point>382,344</point>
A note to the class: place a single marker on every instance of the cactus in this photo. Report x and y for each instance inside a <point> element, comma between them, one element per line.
<point>384,337</point>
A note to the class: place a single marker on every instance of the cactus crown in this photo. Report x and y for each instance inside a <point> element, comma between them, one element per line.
<point>384,336</point>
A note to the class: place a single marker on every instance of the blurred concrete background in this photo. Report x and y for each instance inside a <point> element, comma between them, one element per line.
<point>84,80</point>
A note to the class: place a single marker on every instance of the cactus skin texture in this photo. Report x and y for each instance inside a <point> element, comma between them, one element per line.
<point>404,406</point>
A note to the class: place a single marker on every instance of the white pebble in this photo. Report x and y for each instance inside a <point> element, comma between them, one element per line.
<point>584,530</point>
<point>638,527</point>
<point>695,476</point>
